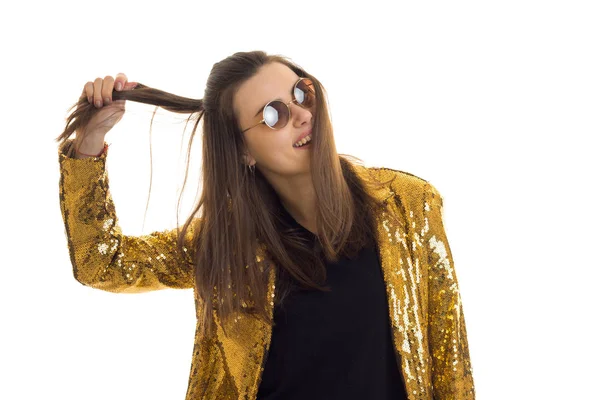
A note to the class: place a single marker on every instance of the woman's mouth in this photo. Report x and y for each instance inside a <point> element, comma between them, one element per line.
<point>304,142</point>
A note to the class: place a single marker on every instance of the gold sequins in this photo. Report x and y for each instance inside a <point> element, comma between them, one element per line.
<point>424,304</point>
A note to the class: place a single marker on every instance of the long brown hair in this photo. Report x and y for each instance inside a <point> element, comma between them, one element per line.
<point>239,215</point>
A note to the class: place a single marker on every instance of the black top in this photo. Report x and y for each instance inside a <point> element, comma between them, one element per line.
<point>338,344</point>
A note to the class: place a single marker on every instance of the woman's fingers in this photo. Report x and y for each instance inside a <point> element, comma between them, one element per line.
<point>120,81</point>
<point>98,92</point>
<point>107,88</point>
<point>88,89</point>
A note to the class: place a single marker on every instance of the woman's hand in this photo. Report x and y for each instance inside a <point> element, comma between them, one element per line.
<point>99,93</point>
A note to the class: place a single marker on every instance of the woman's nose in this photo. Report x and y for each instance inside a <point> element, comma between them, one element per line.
<point>300,113</point>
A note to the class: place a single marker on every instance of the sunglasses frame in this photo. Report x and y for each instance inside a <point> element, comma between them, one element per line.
<point>286,104</point>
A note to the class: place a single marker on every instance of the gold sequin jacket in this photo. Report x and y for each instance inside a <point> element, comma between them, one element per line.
<point>425,309</point>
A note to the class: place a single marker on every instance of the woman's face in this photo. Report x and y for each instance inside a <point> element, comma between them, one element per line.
<point>272,150</point>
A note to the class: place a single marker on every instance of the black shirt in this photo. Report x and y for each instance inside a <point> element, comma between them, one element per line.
<point>338,344</point>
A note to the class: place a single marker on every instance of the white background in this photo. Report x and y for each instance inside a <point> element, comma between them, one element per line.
<point>495,103</point>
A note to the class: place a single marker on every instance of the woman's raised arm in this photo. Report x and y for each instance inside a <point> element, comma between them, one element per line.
<point>101,256</point>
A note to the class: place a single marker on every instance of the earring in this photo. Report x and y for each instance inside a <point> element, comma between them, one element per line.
<point>252,168</point>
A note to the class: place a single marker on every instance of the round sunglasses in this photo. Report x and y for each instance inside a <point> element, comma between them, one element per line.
<point>276,113</point>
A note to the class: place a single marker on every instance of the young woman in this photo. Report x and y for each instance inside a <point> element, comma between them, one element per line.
<point>315,277</point>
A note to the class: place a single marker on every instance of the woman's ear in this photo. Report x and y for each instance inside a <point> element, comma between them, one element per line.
<point>248,159</point>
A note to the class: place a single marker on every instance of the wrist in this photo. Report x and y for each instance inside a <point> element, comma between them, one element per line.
<point>81,154</point>
<point>90,146</point>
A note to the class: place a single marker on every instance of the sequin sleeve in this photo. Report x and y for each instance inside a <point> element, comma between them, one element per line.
<point>101,256</point>
<point>452,375</point>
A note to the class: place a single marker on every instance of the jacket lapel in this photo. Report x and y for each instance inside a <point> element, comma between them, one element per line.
<point>402,272</point>
<point>246,348</point>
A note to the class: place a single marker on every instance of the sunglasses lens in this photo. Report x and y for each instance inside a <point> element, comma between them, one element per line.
<point>276,114</point>
<point>304,92</point>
